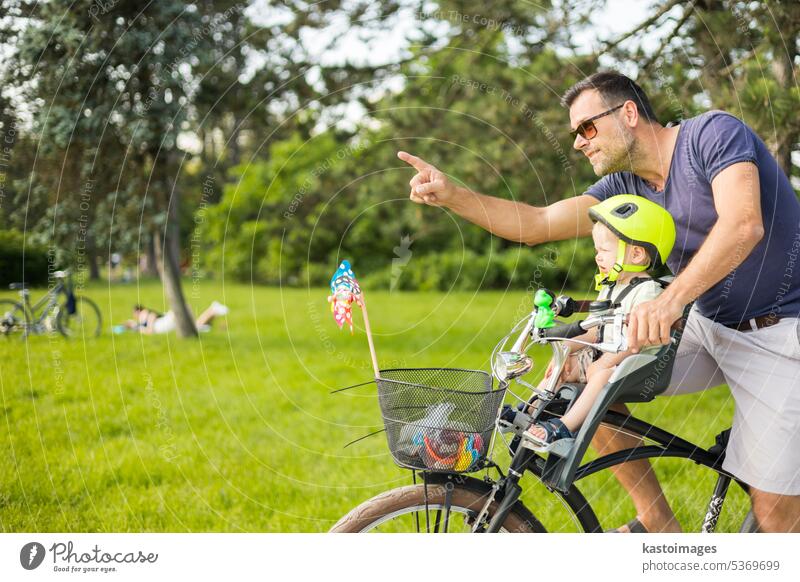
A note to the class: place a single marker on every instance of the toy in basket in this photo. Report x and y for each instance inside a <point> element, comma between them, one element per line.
<point>451,447</point>
<point>436,419</point>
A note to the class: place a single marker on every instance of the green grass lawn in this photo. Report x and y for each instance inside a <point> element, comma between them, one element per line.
<point>238,431</point>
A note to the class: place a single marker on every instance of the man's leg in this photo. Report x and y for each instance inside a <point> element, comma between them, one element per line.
<point>776,513</point>
<point>763,371</point>
<point>694,369</point>
<point>638,479</point>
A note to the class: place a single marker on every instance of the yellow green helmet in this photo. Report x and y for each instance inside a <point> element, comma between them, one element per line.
<point>637,221</point>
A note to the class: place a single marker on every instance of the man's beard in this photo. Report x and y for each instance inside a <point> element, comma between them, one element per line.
<point>621,159</point>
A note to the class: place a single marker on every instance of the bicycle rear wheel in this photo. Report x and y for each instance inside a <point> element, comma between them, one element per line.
<point>446,507</point>
<point>13,318</point>
<point>84,322</point>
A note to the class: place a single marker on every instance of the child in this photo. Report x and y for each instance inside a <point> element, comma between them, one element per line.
<point>631,234</point>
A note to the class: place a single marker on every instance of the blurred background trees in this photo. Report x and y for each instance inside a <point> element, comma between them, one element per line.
<point>257,140</point>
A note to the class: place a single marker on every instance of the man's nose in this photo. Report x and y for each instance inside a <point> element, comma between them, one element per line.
<point>580,142</point>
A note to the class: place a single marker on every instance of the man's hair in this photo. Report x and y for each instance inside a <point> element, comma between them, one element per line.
<point>615,88</point>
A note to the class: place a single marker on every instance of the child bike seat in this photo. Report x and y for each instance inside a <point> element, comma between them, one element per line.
<point>638,378</point>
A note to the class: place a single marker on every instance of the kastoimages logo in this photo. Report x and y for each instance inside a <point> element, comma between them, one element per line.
<point>31,555</point>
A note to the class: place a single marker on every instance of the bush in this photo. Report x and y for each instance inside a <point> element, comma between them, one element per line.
<point>21,262</point>
<point>556,266</point>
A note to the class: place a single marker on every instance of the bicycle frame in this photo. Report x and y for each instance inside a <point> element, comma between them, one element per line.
<point>668,445</point>
<point>48,300</point>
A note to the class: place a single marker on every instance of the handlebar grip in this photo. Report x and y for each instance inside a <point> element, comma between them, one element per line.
<point>569,330</point>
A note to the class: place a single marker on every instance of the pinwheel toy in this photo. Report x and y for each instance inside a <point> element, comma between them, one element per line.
<point>345,291</point>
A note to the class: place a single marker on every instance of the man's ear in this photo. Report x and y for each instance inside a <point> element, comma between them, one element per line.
<point>631,113</point>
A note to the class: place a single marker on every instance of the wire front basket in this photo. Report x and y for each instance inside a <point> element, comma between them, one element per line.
<point>439,419</point>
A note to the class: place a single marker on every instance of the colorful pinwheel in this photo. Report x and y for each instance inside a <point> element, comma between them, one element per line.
<point>344,292</point>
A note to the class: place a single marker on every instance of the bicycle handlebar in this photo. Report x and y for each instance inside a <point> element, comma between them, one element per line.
<point>569,330</point>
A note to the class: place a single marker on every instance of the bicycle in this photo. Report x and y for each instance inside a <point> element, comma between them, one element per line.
<point>467,398</point>
<point>75,316</point>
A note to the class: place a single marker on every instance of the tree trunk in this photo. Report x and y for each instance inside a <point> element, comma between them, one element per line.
<point>94,268</point>
<point>168,250</point>
<point>150,268</point>
<point>94,259</point>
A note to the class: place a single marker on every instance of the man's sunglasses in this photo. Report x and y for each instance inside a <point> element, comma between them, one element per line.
<point>587,129</point>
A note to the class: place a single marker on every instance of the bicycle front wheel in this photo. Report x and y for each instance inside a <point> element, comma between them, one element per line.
<point>85,321</point>
<point>441,507</point>
<point>13,318</point>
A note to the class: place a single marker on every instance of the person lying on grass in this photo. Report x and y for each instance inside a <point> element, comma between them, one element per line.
<point>631,235</point>
<point>148,321</point>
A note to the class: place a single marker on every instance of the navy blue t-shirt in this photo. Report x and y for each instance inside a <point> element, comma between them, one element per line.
<point>768,280</point>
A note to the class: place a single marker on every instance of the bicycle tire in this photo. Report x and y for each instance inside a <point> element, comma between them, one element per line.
<point>85,312</point>
<point>13,317</point>
<point>584,516</point>
<point>468,497</point>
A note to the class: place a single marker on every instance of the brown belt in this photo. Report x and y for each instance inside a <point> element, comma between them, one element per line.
<point>755,323</point>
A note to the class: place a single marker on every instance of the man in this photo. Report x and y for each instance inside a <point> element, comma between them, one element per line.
<point>738,237</point>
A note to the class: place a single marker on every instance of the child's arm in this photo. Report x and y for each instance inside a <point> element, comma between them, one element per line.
<point>590,336</point>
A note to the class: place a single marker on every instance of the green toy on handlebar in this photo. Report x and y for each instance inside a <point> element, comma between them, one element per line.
<point>545,316</point>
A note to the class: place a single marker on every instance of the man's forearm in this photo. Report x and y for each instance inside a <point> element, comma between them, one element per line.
<point>521,222</point>
<point>507,219</point>
<point>725,248</point>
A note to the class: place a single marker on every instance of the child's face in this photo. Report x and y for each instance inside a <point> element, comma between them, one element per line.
<point>606,244</point>
<point>605,247</point>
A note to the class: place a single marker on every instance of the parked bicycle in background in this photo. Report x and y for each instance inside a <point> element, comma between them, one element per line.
<point>59,310</point>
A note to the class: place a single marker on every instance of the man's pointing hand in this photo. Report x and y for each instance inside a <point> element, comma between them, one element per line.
<point>429,185</point>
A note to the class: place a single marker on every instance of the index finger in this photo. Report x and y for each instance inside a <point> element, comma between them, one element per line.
<point>417,163</point>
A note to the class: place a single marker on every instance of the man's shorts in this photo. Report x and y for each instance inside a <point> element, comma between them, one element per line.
<point>762,368</point>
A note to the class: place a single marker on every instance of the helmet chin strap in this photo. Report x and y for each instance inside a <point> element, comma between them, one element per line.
<point>620,266</point>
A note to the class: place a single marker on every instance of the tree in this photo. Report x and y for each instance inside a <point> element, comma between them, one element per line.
<point>725,54</point>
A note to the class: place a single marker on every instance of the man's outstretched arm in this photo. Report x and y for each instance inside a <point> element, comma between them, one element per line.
<point>507,219</point>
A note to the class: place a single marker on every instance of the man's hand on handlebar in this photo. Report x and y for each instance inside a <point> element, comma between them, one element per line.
<point>650,322</point>
<point>429,186</point>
